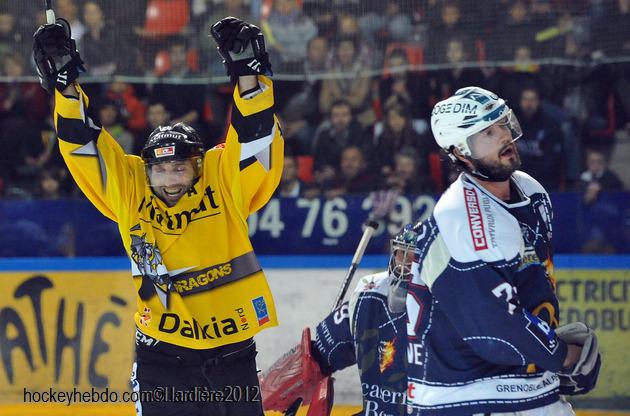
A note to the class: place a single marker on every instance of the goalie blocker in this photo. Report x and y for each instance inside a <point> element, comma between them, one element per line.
<point>297,379</point>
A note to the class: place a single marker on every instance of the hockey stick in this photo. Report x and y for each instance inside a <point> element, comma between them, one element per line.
<point>50,13</point>
<point>382,203</point>
<point>298,364</point>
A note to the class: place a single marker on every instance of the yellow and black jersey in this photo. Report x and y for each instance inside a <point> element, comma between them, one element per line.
<point>199,283</point>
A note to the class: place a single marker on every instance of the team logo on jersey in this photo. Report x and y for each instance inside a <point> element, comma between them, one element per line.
<point>368,284</point>
<point>148,263</point>
<point>386,353</point>
<point>260,306</point>
<point>145,318</point>
<point>164,151</point>
<point>542,332</point>
<point>475,220</point>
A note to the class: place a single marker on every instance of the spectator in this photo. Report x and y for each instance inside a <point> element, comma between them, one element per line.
<point>185,101</point>
<point>517,28</point>
<point>288,31</point>
<point>450,26</point>
<point>369,55</point>
<point>236,8</point>
<point>100,45</point>
<point>351,83</point>
<point>445,82</point>
<point>157,115</point>
<point>21,100</point>
<point>324,16</point>
<point>354,177</point>
<point>11,39</point>
<point>612,41</point>
<point>23,107</point>
<point>109,118</point>
<point>601,215</point>
<point>49,186</point>
<point>335,134</point>
<point>541,146</point>
<point>408,178</point>
<point>312,67</point>
<point>398,133</point>
<point>315,63</point>
<point>568,37</point>
<point>390,25</point>
<point>128,15</point>
<point>69,10</point>
<point>509,81</point>
<point>301,114</point>
<point>402,86</point>
<point>131,107</point>
<point>290,185</point>
<point>598,177</point>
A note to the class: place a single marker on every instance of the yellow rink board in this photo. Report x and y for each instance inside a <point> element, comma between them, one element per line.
<point>88,322</point>
<point>128,410</point>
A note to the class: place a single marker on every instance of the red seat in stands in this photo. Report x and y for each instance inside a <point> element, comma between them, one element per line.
<point>166,17</point>
<point>305,168</point>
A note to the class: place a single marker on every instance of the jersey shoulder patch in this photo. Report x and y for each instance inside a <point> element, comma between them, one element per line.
<point>474,226</point>
<point>378,282</point>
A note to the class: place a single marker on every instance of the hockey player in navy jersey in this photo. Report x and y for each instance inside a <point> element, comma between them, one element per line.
<point>369,330</point>
<point>488,335</point>
<point>480,321</point>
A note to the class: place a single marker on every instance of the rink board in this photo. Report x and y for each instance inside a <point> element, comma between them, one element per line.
<point>83,309</point>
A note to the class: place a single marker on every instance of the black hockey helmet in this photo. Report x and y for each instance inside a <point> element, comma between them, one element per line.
<point>176,142</point>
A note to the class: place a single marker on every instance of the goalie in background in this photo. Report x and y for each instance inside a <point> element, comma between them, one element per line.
<point>471,325</point>
<point>181,212</point>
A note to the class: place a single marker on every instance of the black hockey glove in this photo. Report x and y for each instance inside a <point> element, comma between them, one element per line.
<point>56,57</point>
<point>242,47</point>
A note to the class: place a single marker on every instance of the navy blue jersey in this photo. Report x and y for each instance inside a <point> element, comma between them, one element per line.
<point>480,311</point>
<point>364,332</point>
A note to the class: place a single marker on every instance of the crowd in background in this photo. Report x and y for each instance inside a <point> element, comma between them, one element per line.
<point>363,129</point>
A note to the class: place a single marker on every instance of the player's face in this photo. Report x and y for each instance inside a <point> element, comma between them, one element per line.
<point>403,259</point>
<point>171,180</point>
<point>493,149</point>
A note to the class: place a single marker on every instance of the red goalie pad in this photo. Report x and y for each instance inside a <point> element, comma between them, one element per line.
<point>322,398</point>
<point>296,376</point>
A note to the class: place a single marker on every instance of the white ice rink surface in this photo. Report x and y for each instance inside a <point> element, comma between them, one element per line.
<point>303,298</point>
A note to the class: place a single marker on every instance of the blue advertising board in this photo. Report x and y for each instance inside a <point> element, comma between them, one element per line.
<point>299,226</point>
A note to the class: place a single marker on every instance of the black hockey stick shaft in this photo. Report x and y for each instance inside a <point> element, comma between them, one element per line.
<point>370,227</point>
<point>50,13</point>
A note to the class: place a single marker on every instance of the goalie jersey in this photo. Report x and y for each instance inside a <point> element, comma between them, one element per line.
<point>198,282</point>
<point>477,335</point>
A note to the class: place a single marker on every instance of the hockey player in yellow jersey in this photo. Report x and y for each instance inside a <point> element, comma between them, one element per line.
<point>181,212</point>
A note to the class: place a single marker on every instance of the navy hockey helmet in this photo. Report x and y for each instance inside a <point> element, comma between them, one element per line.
<point>176,142</point>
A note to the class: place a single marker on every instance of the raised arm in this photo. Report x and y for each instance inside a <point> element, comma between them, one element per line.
<point>254,146</point>
<point>95,160</point>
